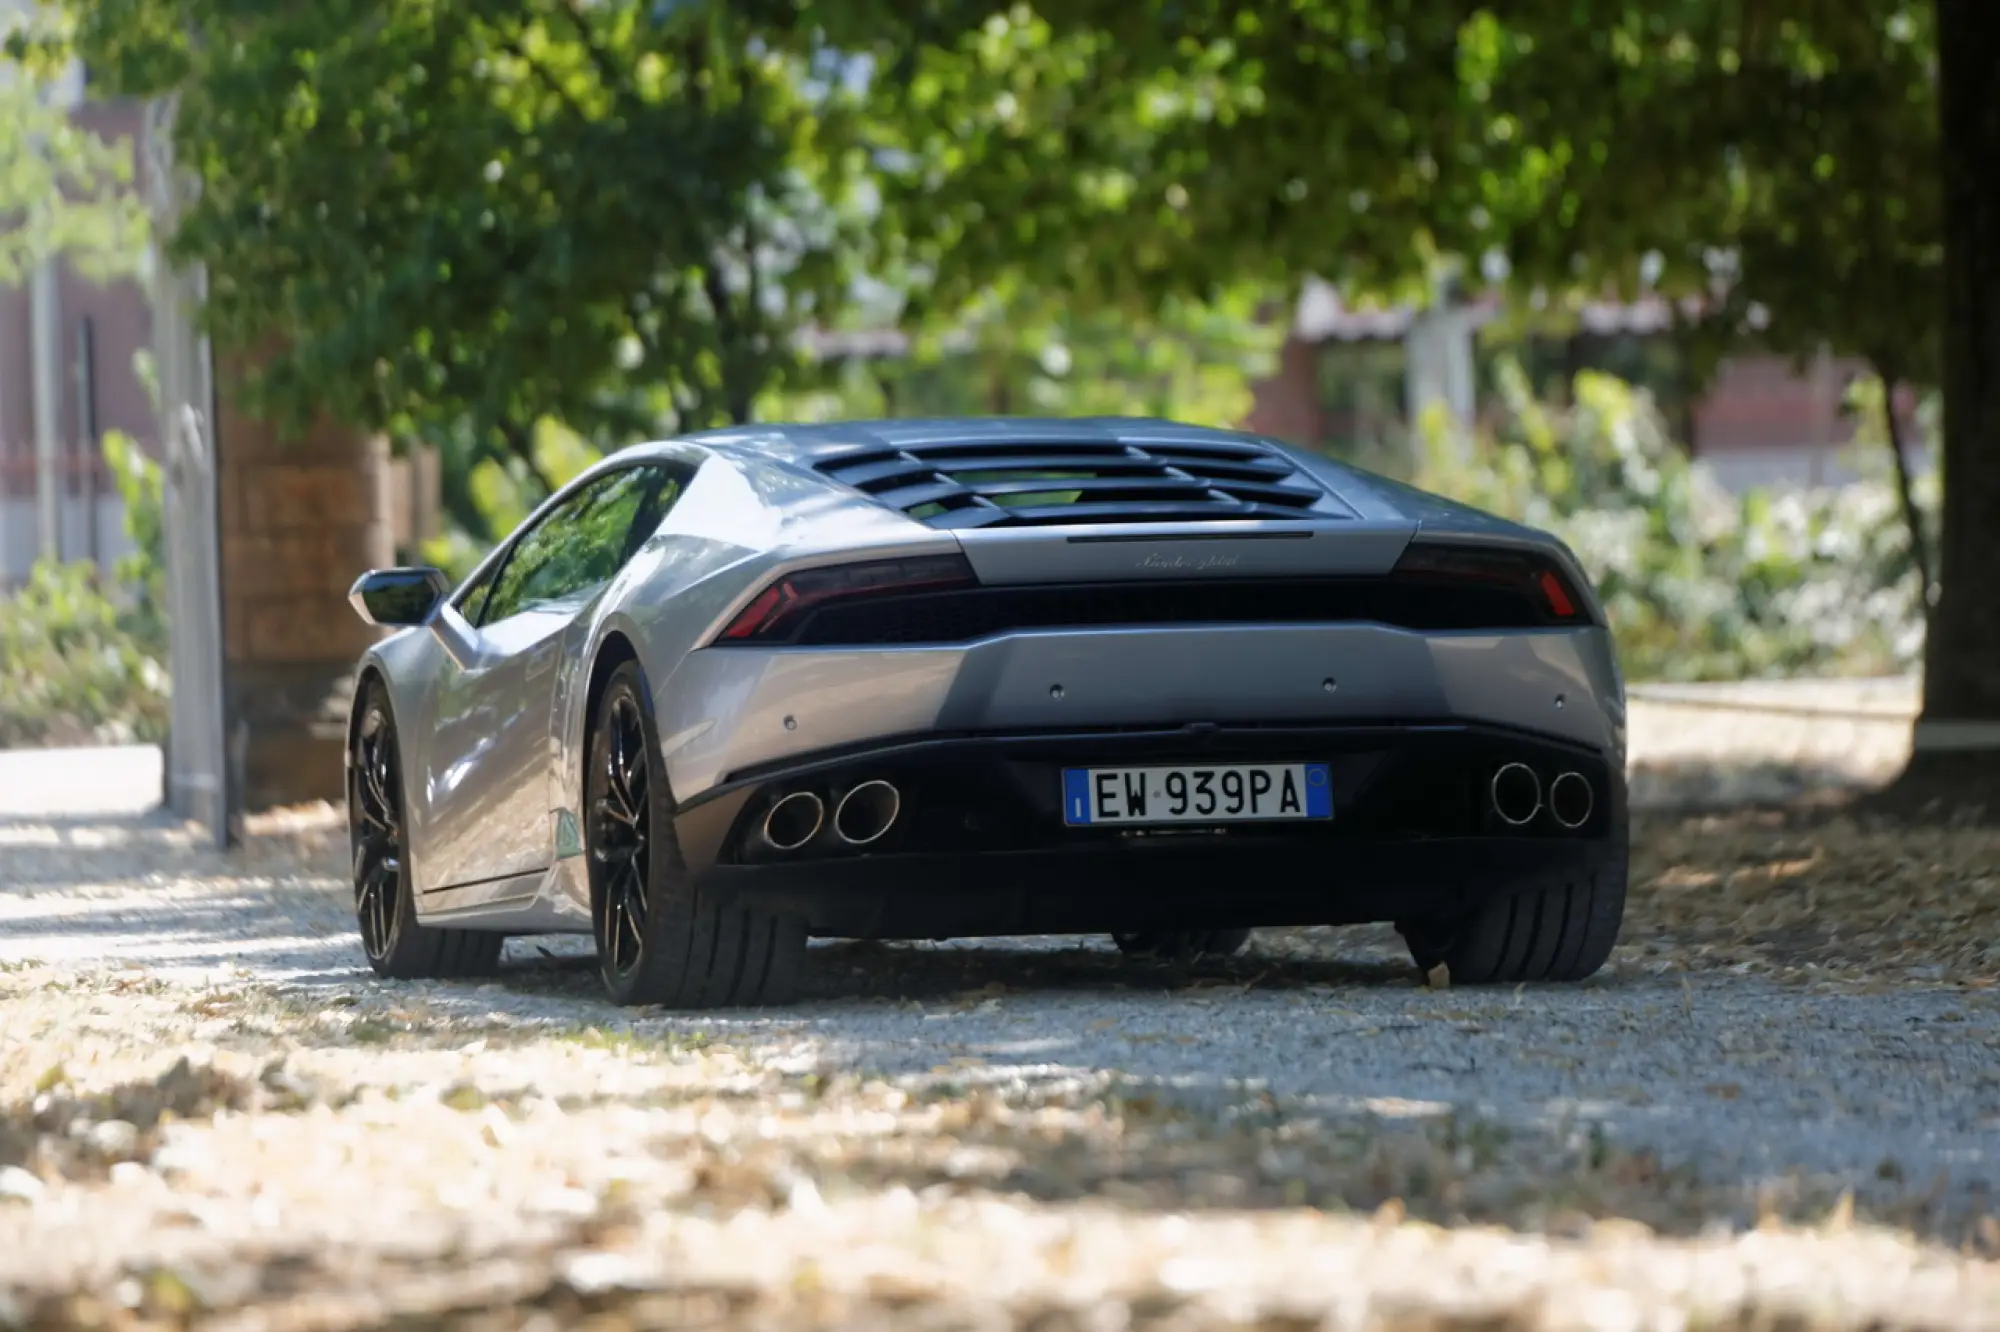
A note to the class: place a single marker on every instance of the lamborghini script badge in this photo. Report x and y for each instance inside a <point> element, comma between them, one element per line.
<point>1198,562</point>
<point>568,841</point>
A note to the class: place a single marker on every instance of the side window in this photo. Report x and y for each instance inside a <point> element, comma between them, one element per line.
<point>471,601</point>
<point>672,480</point>
<point>577,546</point>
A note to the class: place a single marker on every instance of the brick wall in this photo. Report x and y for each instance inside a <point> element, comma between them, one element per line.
<point>301,517</point>
<point>1757,405</point>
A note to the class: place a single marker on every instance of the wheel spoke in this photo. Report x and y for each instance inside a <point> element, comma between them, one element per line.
<point>632,914</point>
<point>374,771</point>
<point>390,874</point>
<point>364,908</point>
<point>609,807</point>
<point>614,929</point>
<point>635,893</point>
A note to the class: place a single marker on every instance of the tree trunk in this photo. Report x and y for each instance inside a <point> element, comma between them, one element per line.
<point>1959,731</point>
<point>301,516</point>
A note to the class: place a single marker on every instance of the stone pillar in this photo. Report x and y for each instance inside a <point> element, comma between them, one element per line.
<point>301,517</point>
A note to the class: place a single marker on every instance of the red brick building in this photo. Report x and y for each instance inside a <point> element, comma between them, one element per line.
<point>1762,420</point>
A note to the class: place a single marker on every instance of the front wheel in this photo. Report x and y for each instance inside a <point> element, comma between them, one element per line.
<point>659,939</point>
<point>398,948</point>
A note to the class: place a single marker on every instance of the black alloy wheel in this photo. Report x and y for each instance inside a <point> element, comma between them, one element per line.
<point>397,946</point>
<point>621,820</point>
<point>661,938</point>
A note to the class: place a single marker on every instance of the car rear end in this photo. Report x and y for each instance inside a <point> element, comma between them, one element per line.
<point>1147,676</point>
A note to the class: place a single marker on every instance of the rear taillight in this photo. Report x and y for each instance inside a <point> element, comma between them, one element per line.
<point>775,614</point>
<point>1536,576</point>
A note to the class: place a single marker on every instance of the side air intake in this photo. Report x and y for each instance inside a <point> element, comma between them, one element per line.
<point>983,483</point>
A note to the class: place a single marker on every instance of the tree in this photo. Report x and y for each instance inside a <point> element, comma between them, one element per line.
<point>432,217</point>
<point>1013,350</point>
<point>458,221</point>
<point>1962,661</point>
<point>63,190</point>
<point>1779,167</point>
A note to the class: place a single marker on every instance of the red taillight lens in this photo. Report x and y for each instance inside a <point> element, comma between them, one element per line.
<point>1522,571</point>
<point>774,615</point>
<point>1556,595</point>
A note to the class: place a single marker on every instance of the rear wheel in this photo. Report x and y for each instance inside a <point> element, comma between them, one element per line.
<point>384,902</point>
<point>659,941</point>
<point>1182,943</point>
<point>1562,931</point>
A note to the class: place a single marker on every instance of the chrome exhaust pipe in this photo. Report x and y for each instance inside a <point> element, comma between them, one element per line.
<point>867,812</point>
<point>794,821</point>
<point>1571,800</point>
<point>1516,793</point>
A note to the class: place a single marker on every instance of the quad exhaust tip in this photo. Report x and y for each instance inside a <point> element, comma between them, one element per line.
<point>1517,793</point>
<point>1571,800</point>
<point>794,821</point>
<point>867,812</point>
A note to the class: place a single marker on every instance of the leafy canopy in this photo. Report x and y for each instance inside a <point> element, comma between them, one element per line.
<point>438,217</point>
<point>64,190</point>
<point>1775,159</point>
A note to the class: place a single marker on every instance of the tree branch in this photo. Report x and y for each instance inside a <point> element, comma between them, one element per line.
<point>520,442</point>
<point>1889,375</point>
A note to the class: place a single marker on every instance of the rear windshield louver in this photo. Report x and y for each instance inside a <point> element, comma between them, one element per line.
<point>987,484</point>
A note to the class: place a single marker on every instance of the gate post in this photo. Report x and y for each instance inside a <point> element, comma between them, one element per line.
<point>198,778</point>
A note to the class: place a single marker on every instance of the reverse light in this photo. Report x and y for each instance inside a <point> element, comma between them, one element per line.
<point>775,614</point>
<point>1534,575</point>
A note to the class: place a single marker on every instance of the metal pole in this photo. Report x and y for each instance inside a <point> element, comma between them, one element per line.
<point>86,430</point>
<point>45,320</point>
<point>199,778</point>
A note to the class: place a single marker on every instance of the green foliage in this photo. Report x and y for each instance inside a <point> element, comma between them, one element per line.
<point>1782,157</point>
<point>1698,583</point>
<point>500,494</point>
<point>1016,351</point>
<point>142,572</point>
<point>72,667</point>
<point>436,218</point>
<point>83,660</point>
<point>63,189</point>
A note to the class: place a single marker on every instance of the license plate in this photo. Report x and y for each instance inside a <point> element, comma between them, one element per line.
<point>1231,793</point>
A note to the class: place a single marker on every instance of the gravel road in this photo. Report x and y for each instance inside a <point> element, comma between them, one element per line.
<point>1014,1133</point>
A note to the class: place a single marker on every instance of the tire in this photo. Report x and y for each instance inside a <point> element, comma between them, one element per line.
<point>1182,943</point>
<point>398,948</point>
<point>1562,931</point>
<point>658,940</point>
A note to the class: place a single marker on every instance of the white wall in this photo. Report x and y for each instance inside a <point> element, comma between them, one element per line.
<point>1741,469</point>
<point>19,544</point>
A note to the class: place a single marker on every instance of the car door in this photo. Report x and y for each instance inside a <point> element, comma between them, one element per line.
<point>488,760</point>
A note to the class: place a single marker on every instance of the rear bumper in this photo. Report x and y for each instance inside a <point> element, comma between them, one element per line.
<point>980,847</point>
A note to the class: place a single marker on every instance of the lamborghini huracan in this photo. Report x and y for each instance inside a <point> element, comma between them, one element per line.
<point>944,678</point>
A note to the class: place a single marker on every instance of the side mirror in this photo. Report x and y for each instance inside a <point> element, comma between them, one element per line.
<point>395,598</point>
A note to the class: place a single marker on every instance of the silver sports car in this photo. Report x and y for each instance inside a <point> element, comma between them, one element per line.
<point>917,679</point>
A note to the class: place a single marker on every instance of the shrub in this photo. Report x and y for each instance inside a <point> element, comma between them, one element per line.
<point>83,660</point>
<point>72,669</point>
<point>1698,583</point>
